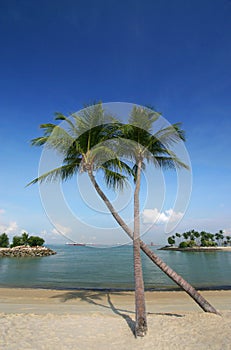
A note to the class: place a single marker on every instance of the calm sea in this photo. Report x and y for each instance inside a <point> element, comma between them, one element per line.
<point>111,268</point>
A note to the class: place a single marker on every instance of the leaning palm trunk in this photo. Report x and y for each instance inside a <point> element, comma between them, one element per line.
<point>141,319</point>
<point>198,298</point>
<point>180,281</point>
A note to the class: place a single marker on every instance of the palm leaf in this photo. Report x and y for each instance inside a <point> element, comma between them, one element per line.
<point>62,173</point>
<point>114,179</point>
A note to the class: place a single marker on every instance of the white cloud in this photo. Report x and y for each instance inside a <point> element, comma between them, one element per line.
<point>7,228</point>
<point>12,227</point>
<point>53,236</point>
<point>153,216</point>
<point>61,229</point>
<point>174,216</point>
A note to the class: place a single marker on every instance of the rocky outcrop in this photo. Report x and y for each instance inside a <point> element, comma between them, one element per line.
<point>23,251</point>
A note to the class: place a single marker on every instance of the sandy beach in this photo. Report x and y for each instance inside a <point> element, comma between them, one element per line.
<point>50,319</point>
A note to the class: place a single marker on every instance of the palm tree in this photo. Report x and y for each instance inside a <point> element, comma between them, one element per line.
<point>219,237</point>
<point>4,240</point>
<point>228,239</point>
<point>146,148</point>
<point>134,138</point>
<point>171,240</point>
<point>141,319</point>
<point>83,147</point>
<point>186,235</point>
<point>88,152</point>
<point>178,235</point>
<point>197,236</point>
<point>25,238</point>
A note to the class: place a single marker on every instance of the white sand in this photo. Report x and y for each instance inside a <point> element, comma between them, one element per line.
<point>46,319</point>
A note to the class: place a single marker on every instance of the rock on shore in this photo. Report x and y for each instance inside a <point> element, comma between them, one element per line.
<point>23,251</point>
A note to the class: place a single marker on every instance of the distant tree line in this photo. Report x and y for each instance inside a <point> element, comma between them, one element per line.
<point>194,238</point>
<point>24,239</point>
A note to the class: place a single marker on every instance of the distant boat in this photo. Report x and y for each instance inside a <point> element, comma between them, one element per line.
<point>76,244</point>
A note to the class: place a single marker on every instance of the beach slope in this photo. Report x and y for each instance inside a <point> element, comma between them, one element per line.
<point>48,319</point>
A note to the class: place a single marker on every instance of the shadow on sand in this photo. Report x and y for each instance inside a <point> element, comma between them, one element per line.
<point>96,298</point>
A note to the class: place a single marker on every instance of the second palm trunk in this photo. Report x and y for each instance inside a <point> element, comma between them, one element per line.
<point>141,319</point>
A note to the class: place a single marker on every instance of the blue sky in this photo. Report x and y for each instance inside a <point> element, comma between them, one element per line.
<point>59,55</point>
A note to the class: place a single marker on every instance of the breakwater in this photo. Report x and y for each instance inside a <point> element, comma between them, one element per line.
<point>23,251</point>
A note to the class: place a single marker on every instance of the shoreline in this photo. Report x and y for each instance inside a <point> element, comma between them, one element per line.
<point>197,249</point>
<point>120,290</point>
<point>15,299</point>
<point>48,319</point>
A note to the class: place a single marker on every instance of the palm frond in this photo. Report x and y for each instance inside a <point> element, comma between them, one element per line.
<point>63,173</point>
<point>118,165</point>
<point>90,117</point>
<point>39,141</point>
<point>48,128</point>
<point>126,168</point>
<point>114,179</point>
<point>60,116</point>
<point>143,118</point>
<point>93,138</point>
<point>170,134</point>
<point>47,131</point>
<point>54,137</point>
<point>127,148</point>
<point>102,153</point>
<point>169,162</point>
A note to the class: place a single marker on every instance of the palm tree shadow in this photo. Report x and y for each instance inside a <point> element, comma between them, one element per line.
<point>95,298</point>
<point>165,314</point>
<point>127,318</point>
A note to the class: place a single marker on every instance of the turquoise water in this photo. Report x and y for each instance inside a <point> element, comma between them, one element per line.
<point>111,268</point>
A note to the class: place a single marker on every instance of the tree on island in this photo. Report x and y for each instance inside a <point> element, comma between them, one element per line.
<point>219,237</point>
<point>171,240</point>
<point>17,241</point>
<point>4,240</point>
<point>197,237</point>
<point>84,146</point>
<point>200,239</point>
<point>26,240</point>
<point>34,241</point>
<point>228,240</point>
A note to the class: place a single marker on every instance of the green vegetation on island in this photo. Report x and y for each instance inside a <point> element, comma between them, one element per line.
<point>195,239</point>
<point>23,240</point>
<point>23,246</point>
<point>4,241</point>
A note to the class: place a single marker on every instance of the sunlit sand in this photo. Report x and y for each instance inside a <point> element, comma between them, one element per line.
<point>49,319</point>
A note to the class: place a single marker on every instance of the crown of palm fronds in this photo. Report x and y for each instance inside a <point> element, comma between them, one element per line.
<point>92,141</point>
<point>83,142</point>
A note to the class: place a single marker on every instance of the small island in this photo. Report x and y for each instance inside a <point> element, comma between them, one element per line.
<point>194,241</point>
<point>23,246</point>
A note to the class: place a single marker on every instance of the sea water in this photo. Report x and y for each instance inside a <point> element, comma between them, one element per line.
<point>80,267</point>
